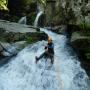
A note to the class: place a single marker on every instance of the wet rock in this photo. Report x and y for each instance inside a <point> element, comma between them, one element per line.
<point>18,7</point>
<point>63,11</point>
<point>64,29</point>
<point>11,49</point>
<point>82,47</point>
<point>1,50</point>
<point>57,29</point>
<point>11,33</point>
<point>9,40</point>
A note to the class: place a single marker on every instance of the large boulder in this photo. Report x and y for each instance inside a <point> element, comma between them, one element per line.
<point>82,47</point>
<point>11,33</point>
<point>9,37</point>
<point>11,49</point>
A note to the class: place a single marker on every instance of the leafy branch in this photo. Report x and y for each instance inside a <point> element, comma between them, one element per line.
<point>3,4</point>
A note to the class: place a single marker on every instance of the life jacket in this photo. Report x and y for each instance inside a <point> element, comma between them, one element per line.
<point>51,48</point>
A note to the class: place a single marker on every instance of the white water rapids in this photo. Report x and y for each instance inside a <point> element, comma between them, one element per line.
<point>21,73</point>
<point>23,20</point>
<point>37,18</point>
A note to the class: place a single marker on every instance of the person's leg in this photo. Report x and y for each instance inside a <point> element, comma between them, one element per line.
<point>46,56</point>
<point>52,58</point>
<point>41,56</point>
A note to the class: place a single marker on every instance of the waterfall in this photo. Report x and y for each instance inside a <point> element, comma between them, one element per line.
<point>23,20</point>
<point>37,18</point>
<point>21,73</point>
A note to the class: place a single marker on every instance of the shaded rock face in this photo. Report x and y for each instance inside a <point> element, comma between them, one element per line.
<point>82,47</point>
<point>18,7</point>
<point>1,50</point>
<point>72,11</point>
<point>65,30</point>
<point>70,29</point>
<point>58,29</point>
<point>50,11</point>
<point>41,21</point>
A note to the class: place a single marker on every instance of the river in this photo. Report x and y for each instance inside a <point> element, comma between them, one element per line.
<point>22,73</point>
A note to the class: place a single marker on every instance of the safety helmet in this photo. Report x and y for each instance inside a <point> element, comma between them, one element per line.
<point>49,39</point>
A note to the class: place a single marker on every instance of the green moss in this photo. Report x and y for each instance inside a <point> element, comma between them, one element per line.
<point>29,39</point>
<point>33,19</point>
<point>85,26</point>
<point>88,26</point>
<point>84,29</point>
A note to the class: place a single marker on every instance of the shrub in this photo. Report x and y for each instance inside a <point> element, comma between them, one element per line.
<point>87,26</point>
<point>29,39</point>
<point>87,56</point>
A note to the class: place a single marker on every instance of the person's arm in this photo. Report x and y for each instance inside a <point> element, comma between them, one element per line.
<point>45,47</point>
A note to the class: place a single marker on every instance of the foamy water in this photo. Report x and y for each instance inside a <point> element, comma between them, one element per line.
<point>65,74</point>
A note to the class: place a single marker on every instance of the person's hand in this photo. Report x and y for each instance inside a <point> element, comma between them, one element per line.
<point>45,47</point>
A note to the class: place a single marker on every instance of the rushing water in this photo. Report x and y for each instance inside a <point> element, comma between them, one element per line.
<point>21,73</point>
<point>37,18</point>
<point>23,20</point>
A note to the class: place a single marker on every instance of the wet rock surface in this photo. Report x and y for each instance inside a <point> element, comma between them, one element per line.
<point>82,48</point>
<point>11,33</point>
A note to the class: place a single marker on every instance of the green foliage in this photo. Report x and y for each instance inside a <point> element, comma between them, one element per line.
<point>88,26</point>
<point>27,2</point>
<point>87,56</point>
<point>85,26</point>
<point>30,18</point>
<point>81,26</point>
<point>42,2</point>
<point>3,4</point>
<point>29,39</point>
<point>33,19</point>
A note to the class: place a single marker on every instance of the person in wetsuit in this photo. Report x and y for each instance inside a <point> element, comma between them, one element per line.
<point>49,51</point>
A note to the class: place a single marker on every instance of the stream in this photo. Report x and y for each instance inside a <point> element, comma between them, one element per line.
<point>22,73</point>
